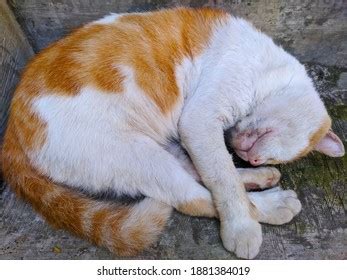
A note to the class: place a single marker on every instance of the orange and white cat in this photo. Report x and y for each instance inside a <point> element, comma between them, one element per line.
<point>97,112</point>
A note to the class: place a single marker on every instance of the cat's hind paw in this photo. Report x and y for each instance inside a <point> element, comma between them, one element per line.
<point>275,206</point>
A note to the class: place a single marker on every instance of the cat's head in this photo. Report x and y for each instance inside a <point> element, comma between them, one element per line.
<point>286,126</point>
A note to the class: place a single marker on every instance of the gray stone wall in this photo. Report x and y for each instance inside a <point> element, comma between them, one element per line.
<point>14,53</point>
<point>313,30</point>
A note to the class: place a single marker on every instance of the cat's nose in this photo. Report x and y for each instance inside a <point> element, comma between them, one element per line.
<point>256,161</point>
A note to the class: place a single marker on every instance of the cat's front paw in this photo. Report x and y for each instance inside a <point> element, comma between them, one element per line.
<point>275,206</point>
<point>260,178</point>
<point>242,236</point>
<point>272,177</point>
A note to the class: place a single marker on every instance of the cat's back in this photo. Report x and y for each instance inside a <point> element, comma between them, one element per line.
<point>96,54</point>
<point>110,76</point>
<point>130,59</point>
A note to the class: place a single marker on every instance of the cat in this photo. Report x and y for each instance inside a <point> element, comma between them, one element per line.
<point>98,111</point>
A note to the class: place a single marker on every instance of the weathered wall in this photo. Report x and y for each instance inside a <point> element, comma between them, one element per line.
<point>313,30</point>
<point>14,52</point>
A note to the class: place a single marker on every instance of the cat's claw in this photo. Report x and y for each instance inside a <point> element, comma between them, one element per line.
<point>276,206</point>
<point>242,236</point>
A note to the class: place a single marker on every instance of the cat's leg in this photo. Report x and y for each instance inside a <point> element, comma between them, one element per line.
<point>201,129</point>
<point>181,155</point>
<point>274,206</point>
<point>253,178</point>
<point>154,172</point>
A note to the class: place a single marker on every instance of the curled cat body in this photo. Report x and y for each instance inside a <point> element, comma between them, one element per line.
<point>97,112</point>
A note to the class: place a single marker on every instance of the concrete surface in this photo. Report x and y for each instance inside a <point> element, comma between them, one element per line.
<point>319,232</point>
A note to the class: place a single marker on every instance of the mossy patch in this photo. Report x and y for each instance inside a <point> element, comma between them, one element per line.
<point>319,172</point>
<point>324,77</point>
<point>337,111</point>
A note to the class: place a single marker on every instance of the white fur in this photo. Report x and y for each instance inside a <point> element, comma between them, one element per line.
<point>275,206</point>
<point>231,87</point>
<point>111,18</point>
<point>89,145</point>
<point>100,141</point>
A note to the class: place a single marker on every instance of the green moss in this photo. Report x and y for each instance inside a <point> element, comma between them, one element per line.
<point>334,75</point>
<point>338,111</point>
<point>329,74</point>
<point>319,172</point>
<point>300,227</point>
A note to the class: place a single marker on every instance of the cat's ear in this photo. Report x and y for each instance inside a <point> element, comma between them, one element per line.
<point>330,145</point>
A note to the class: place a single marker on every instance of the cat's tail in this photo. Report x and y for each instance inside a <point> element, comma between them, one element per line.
<point>123,229</point>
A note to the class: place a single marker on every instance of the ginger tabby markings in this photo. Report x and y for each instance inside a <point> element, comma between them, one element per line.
<point>98,110</point>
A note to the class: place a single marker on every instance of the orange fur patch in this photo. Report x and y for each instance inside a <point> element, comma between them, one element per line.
<point>198,207</point>
<point>155,52</point>
<point>151,44</point>
<point>98,222</point>
<point>30,130</point>
<point>316,137</point>
<point>119,237</point>
<point>64,209</point>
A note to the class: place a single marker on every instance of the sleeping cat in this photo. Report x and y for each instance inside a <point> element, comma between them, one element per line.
<point>97,111</point>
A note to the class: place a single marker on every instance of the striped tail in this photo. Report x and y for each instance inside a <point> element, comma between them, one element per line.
<point>123,229</point>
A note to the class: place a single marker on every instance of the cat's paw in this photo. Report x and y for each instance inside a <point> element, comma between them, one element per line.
<point>242,236</point>
<point>260,178</point>
<point>272,176</point>
<point>275,206</point>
